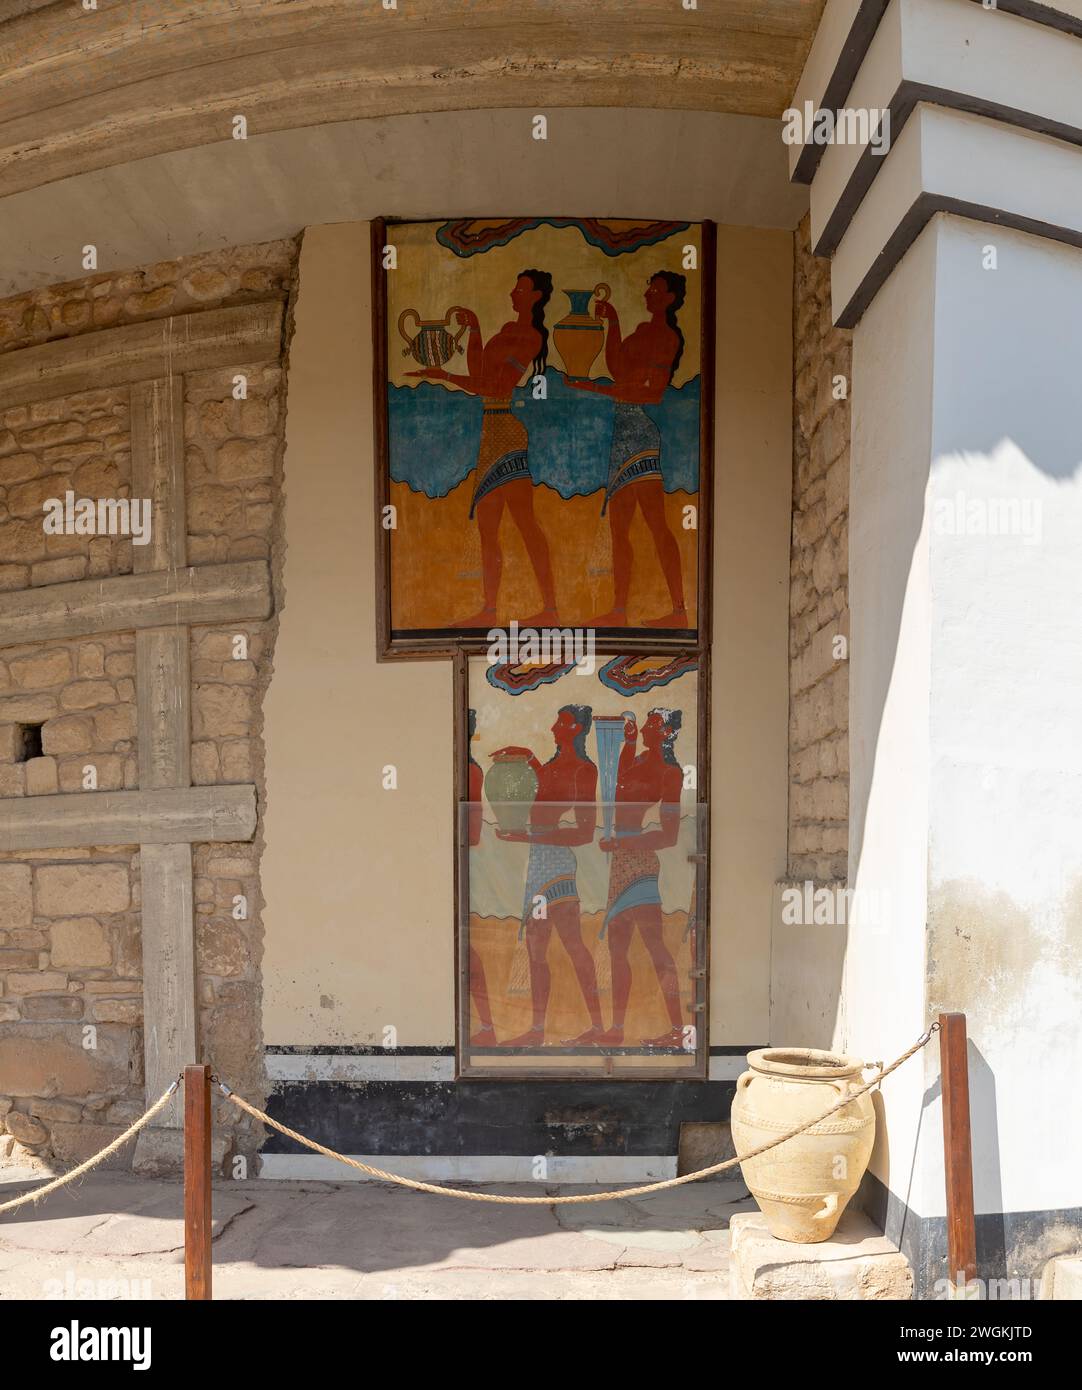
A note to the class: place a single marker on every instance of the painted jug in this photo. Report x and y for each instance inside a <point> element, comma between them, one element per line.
<point>432,343</point>
<point>802,1186</point>
<point>511,786</point>
<point>579,337</point>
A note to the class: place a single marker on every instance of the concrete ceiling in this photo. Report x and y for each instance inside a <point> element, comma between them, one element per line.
<point>687,164</point>
<point>84,90</point>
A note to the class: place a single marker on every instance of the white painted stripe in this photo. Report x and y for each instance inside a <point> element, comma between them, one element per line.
<point>472,1168</point>
<point>727,1068</point>
<point>324,1066</point>
<point>329,1066</point>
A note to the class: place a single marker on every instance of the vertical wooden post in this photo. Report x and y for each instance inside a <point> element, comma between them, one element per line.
<point>957,1151</point>
<point>197,1192</point>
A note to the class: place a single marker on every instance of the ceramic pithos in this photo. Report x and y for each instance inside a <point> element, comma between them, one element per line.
<point>579,337</point>
<point>511,786</point>
<point>803,1185</point>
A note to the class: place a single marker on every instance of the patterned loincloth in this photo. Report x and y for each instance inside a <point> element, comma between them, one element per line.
<point>501,454</point>
<point>550,874</point>
<point>632,880</point>
<point>636,449</point>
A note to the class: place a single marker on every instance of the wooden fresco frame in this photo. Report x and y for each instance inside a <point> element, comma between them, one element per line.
<point>697,1068</point>
<point>390,646</point>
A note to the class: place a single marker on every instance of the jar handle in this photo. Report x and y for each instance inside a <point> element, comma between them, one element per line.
<point>403,316</point>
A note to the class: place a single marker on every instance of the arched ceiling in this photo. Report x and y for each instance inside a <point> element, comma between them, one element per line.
<point>82,90</point>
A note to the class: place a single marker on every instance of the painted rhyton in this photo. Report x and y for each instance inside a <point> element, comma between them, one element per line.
<point>511,787</point>
<point>579,337</point>
<point>803,1185</point>
<point>432,342</point>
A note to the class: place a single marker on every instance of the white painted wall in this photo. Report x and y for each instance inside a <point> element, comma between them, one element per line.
<point>966,744</point>
<point>882,1009</point>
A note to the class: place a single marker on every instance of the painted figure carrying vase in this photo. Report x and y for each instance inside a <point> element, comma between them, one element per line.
<point>432,343</point>
<point>579,336</point>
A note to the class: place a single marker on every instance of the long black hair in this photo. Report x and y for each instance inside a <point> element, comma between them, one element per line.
<point>672,719</point>
<point>677,285</point>
<point>583,716</point>
<point>542,281</point>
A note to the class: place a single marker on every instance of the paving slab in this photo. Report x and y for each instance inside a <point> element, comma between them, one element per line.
<point>120,1236</point>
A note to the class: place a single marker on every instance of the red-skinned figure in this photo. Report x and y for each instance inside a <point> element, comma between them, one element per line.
<point>568,781</point>
<point>503,477</point>
<point>641,366</point>
<point>486,1034</point>
<point>643,780</point>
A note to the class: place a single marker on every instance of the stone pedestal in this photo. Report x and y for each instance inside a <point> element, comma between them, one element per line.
<point>1062,1280</point>
<point>859,1262</point>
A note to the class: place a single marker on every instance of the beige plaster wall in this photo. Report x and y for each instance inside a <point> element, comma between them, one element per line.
<point>358,880</point>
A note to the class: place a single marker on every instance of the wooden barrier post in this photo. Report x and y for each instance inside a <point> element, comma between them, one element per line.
<point>957,1152</point>
<point>197,1190</point>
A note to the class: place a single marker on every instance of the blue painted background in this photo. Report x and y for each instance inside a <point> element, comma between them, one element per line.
<point>433,434</point>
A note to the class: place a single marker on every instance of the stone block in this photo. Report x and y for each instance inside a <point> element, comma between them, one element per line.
<point>61,571</point>
<point>39,1008</point>
<point>40,982</point>
<point>91,659</point>
<point>51,1110</point>
<point>73,890</point>
<point>221,711</point>
<point>43,669</point>
<point>41,777</point>
<point>87,694</point>
<point>49,1059</point>
<point>71,733</point>
<point>27,709</point>
<point>16,897</point>
<point>26,1130</point>
<point>1061,1281</point>
<point>858,1263</point>
<point>160,1152</point>
<point>80,943</point>
<point>127,1011</point>
<point>75,1143</point>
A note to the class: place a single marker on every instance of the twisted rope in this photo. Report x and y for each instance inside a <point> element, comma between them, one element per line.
<point>401,1181</point>
<point>40,1192</point>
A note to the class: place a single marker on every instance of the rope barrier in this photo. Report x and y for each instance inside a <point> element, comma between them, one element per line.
<point>396,1178</point>
<point>401,1181</point>
<point>144,1119</point>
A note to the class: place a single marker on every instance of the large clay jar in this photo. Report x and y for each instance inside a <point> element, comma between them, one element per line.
<point>803,1185</point>
<point>511,787</point>
<point>579,337</point>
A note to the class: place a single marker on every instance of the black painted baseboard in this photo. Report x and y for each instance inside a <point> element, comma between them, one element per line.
<point>1012,1246</point>
<point>482,1117</point>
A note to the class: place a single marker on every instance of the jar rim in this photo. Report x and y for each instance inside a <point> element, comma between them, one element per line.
<point>809,1063</point>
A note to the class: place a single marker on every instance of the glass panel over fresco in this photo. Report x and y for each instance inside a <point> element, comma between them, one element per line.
<point>582,871</point>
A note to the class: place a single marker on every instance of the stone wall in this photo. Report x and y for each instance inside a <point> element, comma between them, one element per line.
<point>71,992</point>
<point>818,593</point>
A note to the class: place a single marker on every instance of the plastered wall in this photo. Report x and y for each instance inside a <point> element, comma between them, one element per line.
<point>358,880</point>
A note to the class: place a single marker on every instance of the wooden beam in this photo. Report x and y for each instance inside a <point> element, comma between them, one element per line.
<point>163,694</point>
<point>128,602</point>
<point>157,462</point>
<point>166,347</point>
<point>169,993</point>
<point>169,816</point>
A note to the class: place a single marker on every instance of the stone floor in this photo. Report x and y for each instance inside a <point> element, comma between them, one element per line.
<point>116,1236</point>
